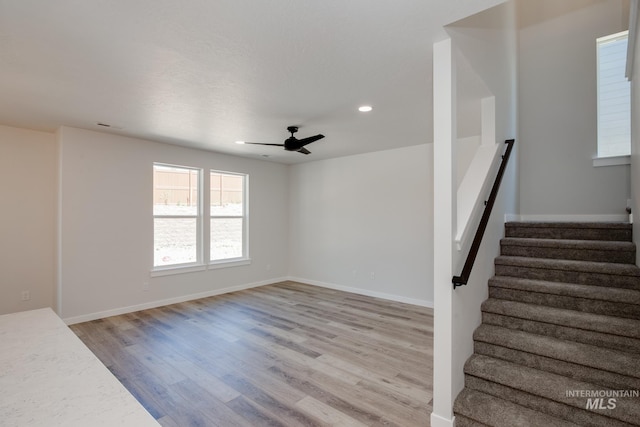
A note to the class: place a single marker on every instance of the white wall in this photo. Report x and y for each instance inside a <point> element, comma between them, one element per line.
<point>557,91</point>
<point>27,219</point>
<point>488,42</point>
<point>107,228</point>
<point>466,151</point>
<point>363,223</point>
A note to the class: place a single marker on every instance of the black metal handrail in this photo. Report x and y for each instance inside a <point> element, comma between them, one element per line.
<point>475,246</point>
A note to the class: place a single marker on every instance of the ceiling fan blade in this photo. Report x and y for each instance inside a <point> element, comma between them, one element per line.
<point>262,143</point>
<point>304,151</point>
<point>304,141</point>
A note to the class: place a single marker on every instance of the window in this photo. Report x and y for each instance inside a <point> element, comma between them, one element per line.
<point>227,209</point>
<point>177,219</point>
<point>181,199</point>
<point>614,97</point>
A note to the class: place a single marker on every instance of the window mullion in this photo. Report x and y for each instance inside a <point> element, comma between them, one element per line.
<point>206,221</point>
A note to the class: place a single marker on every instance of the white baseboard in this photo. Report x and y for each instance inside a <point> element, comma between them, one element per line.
<point>511,217</point>
<point>369,293</point>
<point>571,218</point>
<point>438,421</point>
<point>160,303</point>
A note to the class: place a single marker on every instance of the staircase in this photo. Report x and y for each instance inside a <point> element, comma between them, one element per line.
<point>560,331</point>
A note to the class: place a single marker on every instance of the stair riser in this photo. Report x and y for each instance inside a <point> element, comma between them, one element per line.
<point>565,408</point>
<point>487,410</point>
<point>568,276</point>
<point>618,235</point>
<point>617,309</point>
<point>577,372</point>
<point>462,421</point>
<point>624,257</point>
<point>599,339</point>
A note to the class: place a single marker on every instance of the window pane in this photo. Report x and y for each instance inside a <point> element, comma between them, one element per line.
<point>226,194</point>
<point>226,238</point>
<point>175,241</point>
<point>175,191</point>
<point>614,97</point>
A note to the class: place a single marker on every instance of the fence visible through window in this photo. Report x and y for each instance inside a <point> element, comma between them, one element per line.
<point>176,213</point>
<point>180,236</point>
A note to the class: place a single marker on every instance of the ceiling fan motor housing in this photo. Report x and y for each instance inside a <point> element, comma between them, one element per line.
<point>294,144</point>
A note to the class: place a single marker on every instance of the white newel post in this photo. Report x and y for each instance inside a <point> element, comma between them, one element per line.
<point>445,218</point>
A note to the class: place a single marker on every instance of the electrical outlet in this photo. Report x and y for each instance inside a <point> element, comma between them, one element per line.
<point>373,275</point>
<point>268,267</point>
<point>145,286</point>
<point>26,295</point>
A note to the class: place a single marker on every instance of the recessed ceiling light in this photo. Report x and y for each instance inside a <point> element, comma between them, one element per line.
<point>240,142</point>
<point>365,108</point>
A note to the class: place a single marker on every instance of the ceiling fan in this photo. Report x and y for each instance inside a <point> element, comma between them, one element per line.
<point>292,143</point>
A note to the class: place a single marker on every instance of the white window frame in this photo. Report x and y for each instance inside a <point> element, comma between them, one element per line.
<point>599,159</point>
<point>244,258</point>
<point>197,264</point>
<point>203,230</point>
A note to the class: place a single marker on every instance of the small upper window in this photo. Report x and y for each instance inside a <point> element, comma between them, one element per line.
<point>614,97</point>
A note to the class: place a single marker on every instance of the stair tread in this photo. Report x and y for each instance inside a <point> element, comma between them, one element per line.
<point>570,265</point>
<point>564,317</point>
<point>614,361</point>
<point>612,245</point>
<point>493,411</point>
<point>605,231</point>
<point>568,224</point>
<point>600,293</point>
<point>544,384</point>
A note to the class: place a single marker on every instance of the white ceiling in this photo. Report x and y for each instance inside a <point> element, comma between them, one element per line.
<point>205,73</point>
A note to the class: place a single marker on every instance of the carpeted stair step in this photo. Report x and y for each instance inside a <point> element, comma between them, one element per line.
<point>583,362</point>
<point>593,299</point>
<point>551,394</point>
<point>581,272</point>
<point>579,250</point>
<point>472,407</point>
<point>616,231</point>
<point>588,328</point>
<point>562,320</point>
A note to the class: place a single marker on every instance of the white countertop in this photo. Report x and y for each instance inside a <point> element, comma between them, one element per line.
<point>48,377</point>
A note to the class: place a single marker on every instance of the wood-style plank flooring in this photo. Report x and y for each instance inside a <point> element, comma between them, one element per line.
<point>287,354</point>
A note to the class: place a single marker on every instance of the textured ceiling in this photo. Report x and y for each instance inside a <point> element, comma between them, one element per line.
<point>205,73</point>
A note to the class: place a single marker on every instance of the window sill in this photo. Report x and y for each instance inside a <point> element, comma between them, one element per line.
<point>168,271</point>
<point>180,269</point>
<point>611,161</point>
<point>235,262</point>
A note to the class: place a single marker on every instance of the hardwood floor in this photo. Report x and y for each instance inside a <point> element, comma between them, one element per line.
<point>281,355</point>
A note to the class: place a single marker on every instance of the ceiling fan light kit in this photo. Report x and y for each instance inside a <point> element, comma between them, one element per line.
<point>292,143</point>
